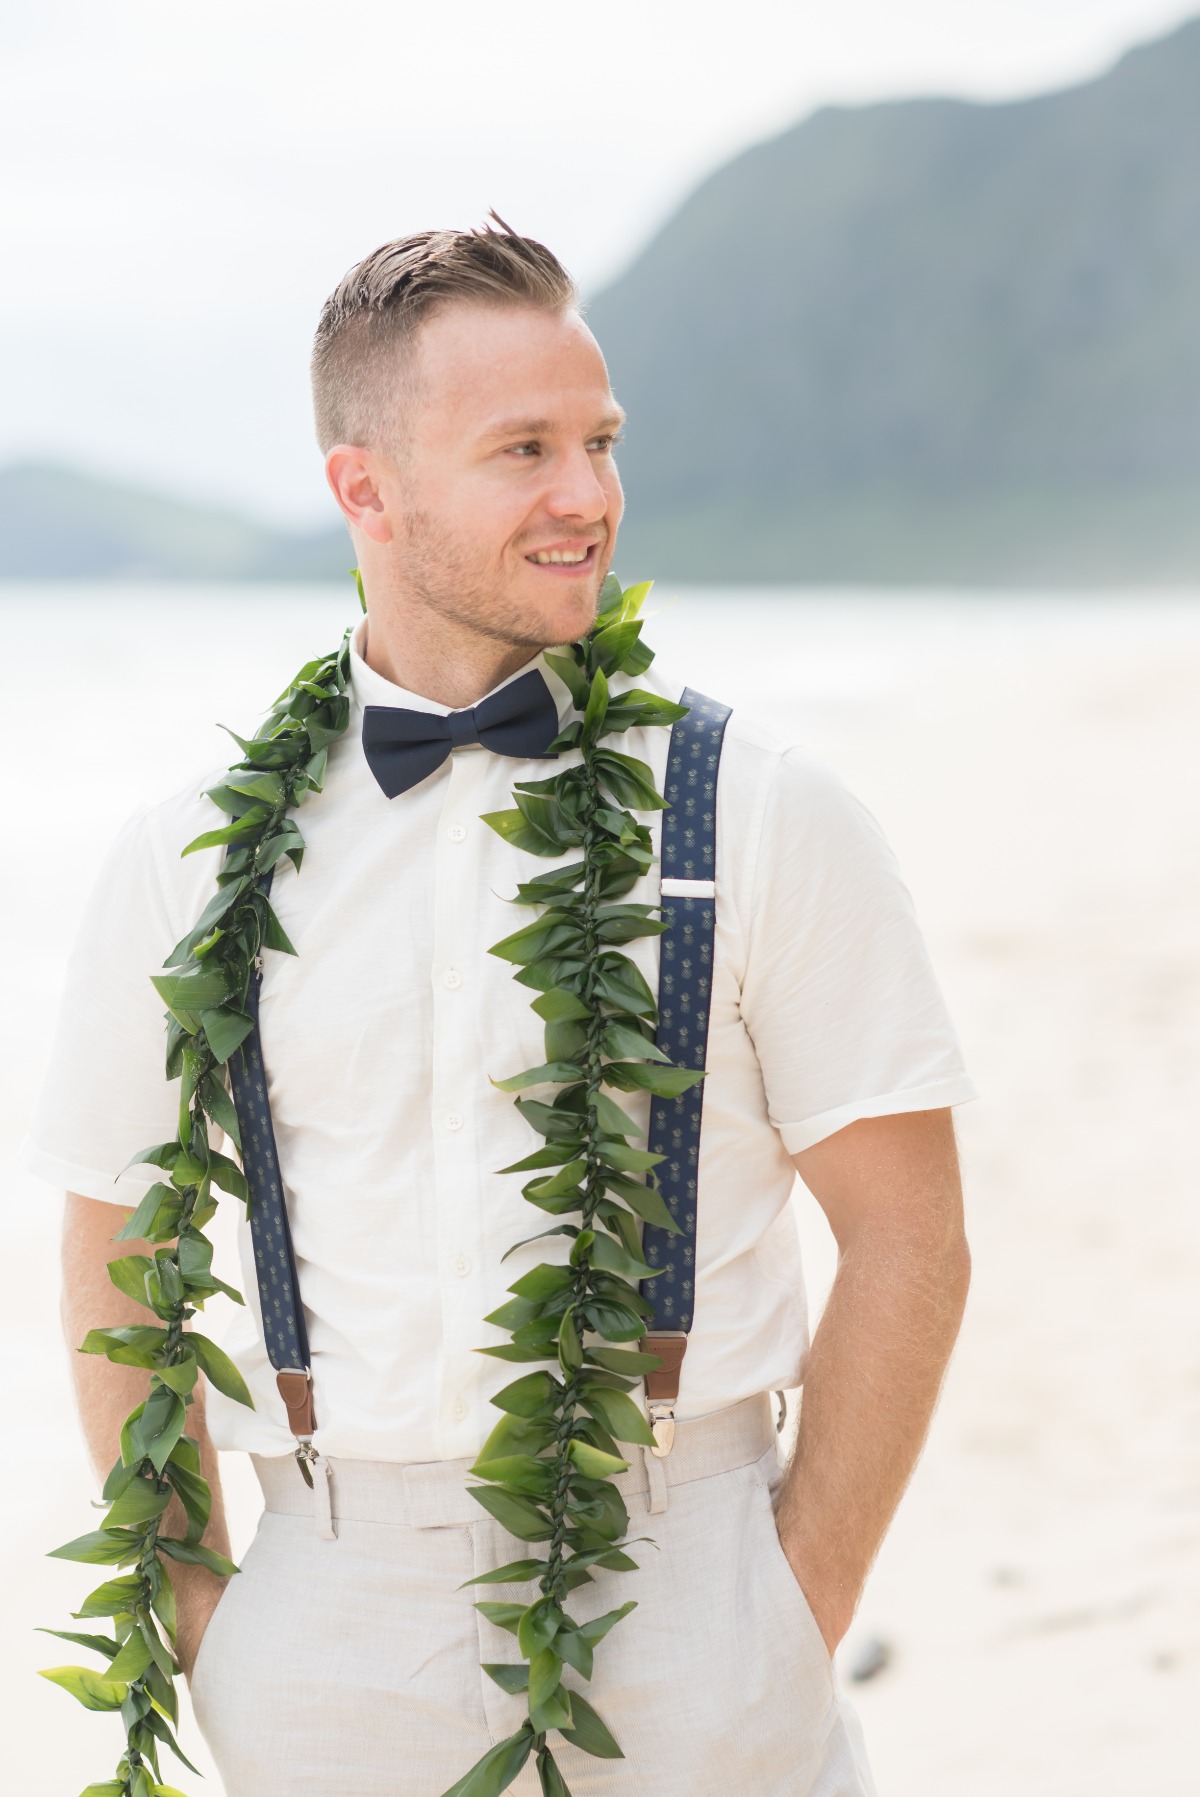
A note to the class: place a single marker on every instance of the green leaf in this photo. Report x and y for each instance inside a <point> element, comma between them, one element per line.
<point>514,828</point>
<point>513,1573</point>
<point>552,1073</point>
<point>629,780</point>
<point>518,1514</point>
<point>138,1503</point>
<point>598,1627</point>
<point>664,1082</point>
<point>597,705</point>
<point>191,991</point>
<point>103,1644</point>
<point>132,1661</point>
<point>559,1006</point>
<point>128,1274</point>
<point>134,1344</point>
<point>220,1107</point>
<point>549,1777</point>
<point>513,1679</point>
<point>112,1787</point>
<point>611,1118</point>
<point>191,1553</point>
<point>613,1258</point>
<point>527,1396</point>
<point>570,1352</point>
<point>247,825</point>
<point>504,1616</point>
<point>619,983</point>
<point>541,1282</point>
<point>217,1367</point>
<point>498,1767</point>
<point>92,1691</point>
<point>157,1216</point>
<point>591,1461</point>
<point>620,1416</point>
<point>623,1043</point>
<point>572,676</point>
<point>589,1732</point>
<point>538,1627</point>
<point>624,1360</point>
<point>115,1597</point>
<point>647,1201</point>
<point>225,1031</point>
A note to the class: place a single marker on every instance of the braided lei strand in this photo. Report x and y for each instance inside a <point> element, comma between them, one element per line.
<point>545,1472</point>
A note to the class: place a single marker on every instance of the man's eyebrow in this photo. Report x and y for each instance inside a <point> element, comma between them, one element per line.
<point>544,427</point>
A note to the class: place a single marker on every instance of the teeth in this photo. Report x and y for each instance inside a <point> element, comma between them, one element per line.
<point>566,557</point>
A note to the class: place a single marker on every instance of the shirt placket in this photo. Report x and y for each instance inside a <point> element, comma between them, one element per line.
<point>455,1095</point>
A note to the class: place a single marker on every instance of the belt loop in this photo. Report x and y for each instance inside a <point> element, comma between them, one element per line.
<point>656,1481</point>
<point>323,1498</point>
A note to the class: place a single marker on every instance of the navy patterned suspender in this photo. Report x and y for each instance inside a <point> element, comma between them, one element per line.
<point>688,879</point>
<point>688,871</point>
<point>284,1328</point>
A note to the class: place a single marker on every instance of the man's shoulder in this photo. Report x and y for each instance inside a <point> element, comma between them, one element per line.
<point>756,757</point>
<point>156,832</point>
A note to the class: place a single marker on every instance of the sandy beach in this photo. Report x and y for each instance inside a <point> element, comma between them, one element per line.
<point>1036,764</point>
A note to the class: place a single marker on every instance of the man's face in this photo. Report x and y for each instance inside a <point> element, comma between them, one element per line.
<point>506,494</point>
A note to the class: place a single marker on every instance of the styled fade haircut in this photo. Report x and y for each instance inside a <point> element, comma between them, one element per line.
<point>362,354</point>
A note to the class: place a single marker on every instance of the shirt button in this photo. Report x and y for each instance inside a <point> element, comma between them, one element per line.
<point>460,1408</point>
<point>454,1120</point>
<point>457,832</point>
<point>452,979</point>
<point>462,1266</point>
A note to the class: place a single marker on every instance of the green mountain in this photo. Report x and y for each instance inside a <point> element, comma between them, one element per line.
<point>61,525</point>
<point>928,340</point>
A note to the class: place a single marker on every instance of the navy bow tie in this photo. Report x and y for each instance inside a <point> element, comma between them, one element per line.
<point>403,746</point>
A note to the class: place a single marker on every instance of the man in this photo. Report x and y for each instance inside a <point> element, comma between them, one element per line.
<point>469,430</point>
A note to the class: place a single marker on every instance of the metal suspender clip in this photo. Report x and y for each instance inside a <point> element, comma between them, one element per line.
<point>662,1386</point>
<point>296,1390</point>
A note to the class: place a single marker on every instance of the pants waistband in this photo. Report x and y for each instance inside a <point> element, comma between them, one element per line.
<point>433,1494</point>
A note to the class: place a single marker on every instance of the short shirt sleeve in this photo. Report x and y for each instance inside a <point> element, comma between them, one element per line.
<point>839,995</point>
<point>105,1093</point>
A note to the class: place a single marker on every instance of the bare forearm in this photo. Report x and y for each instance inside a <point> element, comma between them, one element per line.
<point>891,1190</point>
<point>106,1393</point>
<point>870,1387</point>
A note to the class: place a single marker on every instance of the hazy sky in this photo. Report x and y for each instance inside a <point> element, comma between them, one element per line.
<point>184,185</point>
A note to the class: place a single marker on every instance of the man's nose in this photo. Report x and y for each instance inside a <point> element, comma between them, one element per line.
<point>577,491</point>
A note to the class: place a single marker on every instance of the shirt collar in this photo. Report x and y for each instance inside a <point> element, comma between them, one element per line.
<point>369,687</point>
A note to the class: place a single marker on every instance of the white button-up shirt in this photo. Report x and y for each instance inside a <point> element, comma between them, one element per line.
<point>379,1037</point>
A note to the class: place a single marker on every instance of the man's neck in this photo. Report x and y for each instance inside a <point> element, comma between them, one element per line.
<point>433,658</point>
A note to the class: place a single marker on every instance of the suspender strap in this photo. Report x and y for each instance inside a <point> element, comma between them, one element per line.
<point>284,1328</point>
<point>688,876</point>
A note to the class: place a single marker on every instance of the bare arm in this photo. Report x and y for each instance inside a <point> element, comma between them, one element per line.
<point>107,1393</point>
<point>890,1189</point>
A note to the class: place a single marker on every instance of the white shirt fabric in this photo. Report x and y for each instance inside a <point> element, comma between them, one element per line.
<point>380,1035</point>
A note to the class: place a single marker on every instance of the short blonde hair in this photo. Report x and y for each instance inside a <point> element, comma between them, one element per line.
<point>363,347</point>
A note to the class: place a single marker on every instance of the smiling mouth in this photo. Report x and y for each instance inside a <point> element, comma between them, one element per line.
<point>563,558</point>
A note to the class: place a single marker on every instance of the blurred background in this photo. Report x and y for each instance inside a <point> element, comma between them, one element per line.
<point>904,305</point>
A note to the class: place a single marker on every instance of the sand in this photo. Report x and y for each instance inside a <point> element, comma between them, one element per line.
<point>1036,763</point>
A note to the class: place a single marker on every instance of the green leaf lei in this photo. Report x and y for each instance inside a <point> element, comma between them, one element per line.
<point>545,1472</point>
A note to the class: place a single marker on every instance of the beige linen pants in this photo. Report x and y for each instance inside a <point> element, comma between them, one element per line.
<point>342,1661</point>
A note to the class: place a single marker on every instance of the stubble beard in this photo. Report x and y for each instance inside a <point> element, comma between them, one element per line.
<point>447,578</point>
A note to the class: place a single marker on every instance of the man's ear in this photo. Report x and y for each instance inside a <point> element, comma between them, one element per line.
<point>356,479</point>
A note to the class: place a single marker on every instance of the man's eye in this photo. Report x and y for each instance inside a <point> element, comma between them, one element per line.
<point>605,443</point>
<point>526,449</point>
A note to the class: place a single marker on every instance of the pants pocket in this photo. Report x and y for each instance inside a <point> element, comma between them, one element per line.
<point>816,1653</point>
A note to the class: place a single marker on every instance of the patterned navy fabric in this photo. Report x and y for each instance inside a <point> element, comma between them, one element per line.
<point>689,851</point>
<point>274,1258</point>
<point>684,988</point>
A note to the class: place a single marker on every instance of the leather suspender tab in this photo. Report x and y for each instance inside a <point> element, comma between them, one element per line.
<point>671,1346</point>
<point>296,1390</point>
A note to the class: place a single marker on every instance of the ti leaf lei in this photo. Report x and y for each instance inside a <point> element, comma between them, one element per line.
<point>546,1470</point>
